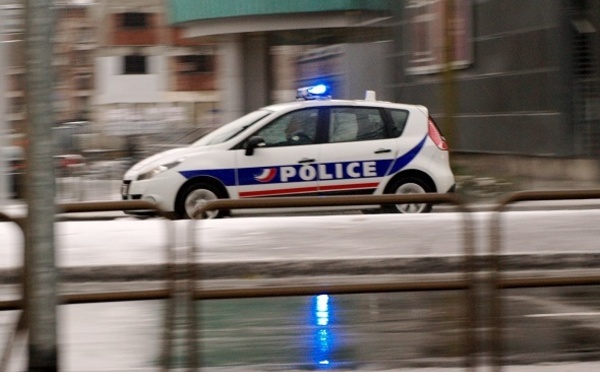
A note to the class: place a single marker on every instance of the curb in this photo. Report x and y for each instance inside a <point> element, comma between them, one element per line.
<point>318,268</point>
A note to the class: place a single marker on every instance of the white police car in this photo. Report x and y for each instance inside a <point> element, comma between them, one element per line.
<point>303,148</point>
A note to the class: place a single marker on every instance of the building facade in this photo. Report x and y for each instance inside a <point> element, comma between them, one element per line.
<point>73,64</point>
<point>504,77</point>
<point>119,68</point>
<point>524,74</point>
<point>12,32</point>
<point>149,79</point>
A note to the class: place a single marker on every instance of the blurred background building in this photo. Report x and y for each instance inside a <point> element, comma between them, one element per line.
<point>12,31</point>
<point>149,80</point>
<point>121,74</point>
<point>519,81</point>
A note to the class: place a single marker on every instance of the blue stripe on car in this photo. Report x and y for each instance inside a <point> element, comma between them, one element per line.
<point>226,176</point>
<point>403,161</point>
<point>249,176</point>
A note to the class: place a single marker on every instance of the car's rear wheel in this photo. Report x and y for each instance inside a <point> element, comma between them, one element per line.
<point>195,196</point>
<point>404,186</point>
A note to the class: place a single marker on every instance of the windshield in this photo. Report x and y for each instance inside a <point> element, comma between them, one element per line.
<point>232,129</point>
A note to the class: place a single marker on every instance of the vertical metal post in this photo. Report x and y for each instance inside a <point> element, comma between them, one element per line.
<point>4,189</point>
<point>40,270</point>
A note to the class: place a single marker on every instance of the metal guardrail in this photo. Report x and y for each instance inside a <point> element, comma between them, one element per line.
<point>172,271</point>
<point>498,282</point>
<point>467,283</point>
<point>182,283</point>
<point>99,206</point>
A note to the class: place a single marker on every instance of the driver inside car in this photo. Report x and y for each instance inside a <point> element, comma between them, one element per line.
<point>295,134</point>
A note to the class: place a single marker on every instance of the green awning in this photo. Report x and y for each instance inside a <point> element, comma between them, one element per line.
<point>197,10</point>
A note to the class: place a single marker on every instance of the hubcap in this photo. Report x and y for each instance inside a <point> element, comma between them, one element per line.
<point>198,198</point>
<point>410,188</point>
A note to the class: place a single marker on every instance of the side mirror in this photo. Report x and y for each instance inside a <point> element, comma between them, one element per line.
<point>254,142</point>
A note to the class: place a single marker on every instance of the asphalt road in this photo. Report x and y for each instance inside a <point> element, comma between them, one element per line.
<point>545,330</point>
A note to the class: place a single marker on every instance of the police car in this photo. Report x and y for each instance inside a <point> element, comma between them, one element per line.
<point>312,146</point>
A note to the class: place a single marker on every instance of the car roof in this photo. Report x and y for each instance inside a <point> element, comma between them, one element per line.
<point>340,102</point>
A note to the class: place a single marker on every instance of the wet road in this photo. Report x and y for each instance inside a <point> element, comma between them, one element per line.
<point>355,332</point>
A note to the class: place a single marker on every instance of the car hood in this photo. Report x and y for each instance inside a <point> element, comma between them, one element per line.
<point>168,156</point>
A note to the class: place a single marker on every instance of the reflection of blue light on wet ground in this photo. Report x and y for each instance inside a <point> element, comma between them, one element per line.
<point>323,339</point>
<point>322,310</point>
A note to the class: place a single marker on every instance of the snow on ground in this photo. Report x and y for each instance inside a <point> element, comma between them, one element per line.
<point>130,241</point>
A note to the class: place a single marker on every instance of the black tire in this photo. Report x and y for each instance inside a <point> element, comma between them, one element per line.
<point>195,195</point>
<point>408,185</point>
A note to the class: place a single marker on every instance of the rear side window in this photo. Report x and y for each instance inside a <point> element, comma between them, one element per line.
<point>347,124</point>
<point>399,118</point>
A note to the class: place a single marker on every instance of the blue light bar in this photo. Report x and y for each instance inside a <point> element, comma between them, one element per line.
<point>319,91</point>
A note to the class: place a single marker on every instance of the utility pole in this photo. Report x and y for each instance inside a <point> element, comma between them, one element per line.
<point>450,98</point>
<point>40,268</point>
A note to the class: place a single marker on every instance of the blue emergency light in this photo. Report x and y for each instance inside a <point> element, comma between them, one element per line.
<point>319,91</point>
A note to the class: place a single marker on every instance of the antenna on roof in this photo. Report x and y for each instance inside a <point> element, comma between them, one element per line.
<point>370,95</point>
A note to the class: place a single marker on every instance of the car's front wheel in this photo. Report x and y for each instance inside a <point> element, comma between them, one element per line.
<point>404,186</point>
<point>195,196</point>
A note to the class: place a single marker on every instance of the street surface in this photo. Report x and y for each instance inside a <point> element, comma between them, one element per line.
<point>128,241</point>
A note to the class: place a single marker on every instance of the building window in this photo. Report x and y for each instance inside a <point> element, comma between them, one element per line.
<point>135,20</point>
<point>195,64</point>
<point>426,21</point>
<point>135,64</point>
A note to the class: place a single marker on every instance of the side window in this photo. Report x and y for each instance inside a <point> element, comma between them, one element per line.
<point>355,124</point>
<point>343,126</point>
<point>295,128</point>
<point>399,118</point>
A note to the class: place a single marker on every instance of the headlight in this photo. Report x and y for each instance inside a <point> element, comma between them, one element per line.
<point>157,170</point>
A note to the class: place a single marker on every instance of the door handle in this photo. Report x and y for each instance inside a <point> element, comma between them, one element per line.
<point>306,160</point>
<point>382,151</point>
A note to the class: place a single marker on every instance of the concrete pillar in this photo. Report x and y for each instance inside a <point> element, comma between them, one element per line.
<point>244,79</point>
<point>257,70</point>
<point>230,79</point>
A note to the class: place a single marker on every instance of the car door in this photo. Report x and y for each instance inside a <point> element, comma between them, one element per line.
<point>286,164</point>
<point>358,151</point>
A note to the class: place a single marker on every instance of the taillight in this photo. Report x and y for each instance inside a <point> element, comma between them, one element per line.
<point>68,162</point>
<point>436,136</point>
